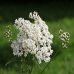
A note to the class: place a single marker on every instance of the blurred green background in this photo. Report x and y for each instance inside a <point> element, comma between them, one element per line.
<point>56,15</point>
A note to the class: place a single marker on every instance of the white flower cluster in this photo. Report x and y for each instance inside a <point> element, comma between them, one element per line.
<point>33,38</point>
<point>8,33</point>
<point>64,37</point>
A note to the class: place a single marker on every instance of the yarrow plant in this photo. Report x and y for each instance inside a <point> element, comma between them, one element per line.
<point>33,38</point>
<point>64,37</point>
<point>33,43</point>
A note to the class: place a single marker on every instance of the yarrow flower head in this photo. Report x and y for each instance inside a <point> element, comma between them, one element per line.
<point>8,33</point>
<point>33,38</point>
<point>64,37</point>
